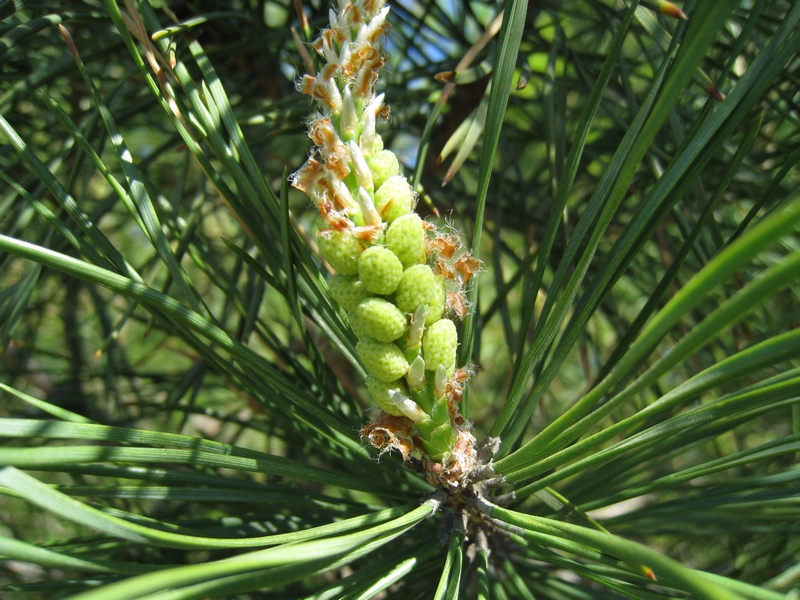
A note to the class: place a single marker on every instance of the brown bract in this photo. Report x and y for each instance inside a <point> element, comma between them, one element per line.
<point>387,432</point>
<point>459,469</point>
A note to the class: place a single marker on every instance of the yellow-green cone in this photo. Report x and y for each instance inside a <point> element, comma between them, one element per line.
<point>390,266</point>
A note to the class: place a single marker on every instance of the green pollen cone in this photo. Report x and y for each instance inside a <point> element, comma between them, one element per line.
<point>394,198</point>
<point>439,345</point>
<point>341,250</point>
<point>348,291</point>
<point>406,238</point>
<point>380,319</point>
<point>379,270</point>
<point>380,394</point>
<point>383,164</point>
<point>382,360</point>
<point>419,286</point>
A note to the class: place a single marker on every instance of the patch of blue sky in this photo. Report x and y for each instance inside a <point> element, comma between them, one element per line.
<point>429,46</point>
<point>438,23</point>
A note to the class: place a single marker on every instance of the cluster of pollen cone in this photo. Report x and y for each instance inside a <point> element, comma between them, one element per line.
<point>399,278</point>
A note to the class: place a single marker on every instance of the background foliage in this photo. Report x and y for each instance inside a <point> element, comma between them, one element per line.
<point>181,399</point>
